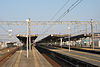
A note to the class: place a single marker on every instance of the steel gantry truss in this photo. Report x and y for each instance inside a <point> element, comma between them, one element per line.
<point>77,27</point>
<point>46,22</point>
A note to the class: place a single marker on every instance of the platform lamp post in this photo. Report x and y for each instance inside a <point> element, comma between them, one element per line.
<point>61,42</point>
<point>69,38</point>
<point>92,33</point>
<point>10,35</point>
<point>27,20</point>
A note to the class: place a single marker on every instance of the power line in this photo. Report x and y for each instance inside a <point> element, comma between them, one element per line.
<point>69,9</point>
<point>66,12</point>
<point>60,9</point>
<point>3,28</point>
<point>56,14</point>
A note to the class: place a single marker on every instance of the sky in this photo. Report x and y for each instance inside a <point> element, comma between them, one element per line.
<point>43,10</point>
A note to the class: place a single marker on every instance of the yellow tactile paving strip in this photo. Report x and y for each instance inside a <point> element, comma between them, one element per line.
<point>35,58</point>
<point>18,60</point>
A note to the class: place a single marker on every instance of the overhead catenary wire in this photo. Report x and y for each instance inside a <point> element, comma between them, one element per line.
<point>70,9</point>
<point>60,9</point>
<point>66,12</point>
<point>56,14</point>
<point>3,28</point>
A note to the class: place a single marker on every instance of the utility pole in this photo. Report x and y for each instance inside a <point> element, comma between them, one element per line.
<point>61,42</point>
<point>27,40</point>
<point>10,35</point>
<point>29,34</point>
<point>69,37</point>
<point>92,33</point>
<point>69,42</point>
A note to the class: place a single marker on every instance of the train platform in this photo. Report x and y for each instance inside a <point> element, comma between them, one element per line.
<point>86,49</point>
<point>19,59</point>
<point>79,55</point>
<point>95,49</point>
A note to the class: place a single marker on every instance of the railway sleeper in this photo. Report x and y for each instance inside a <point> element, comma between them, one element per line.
<point>64,60</point>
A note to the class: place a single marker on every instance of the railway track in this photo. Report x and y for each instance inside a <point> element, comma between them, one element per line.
<point>88,50</point>
<point>63,60</point>
<point>54,59</point>
<point>51,61</point>
<point>5,54</point>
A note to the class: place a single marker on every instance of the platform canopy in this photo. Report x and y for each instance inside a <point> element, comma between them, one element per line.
<point>52,38</point>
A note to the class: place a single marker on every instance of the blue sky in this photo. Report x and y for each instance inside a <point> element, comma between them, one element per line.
<point>43,10</point>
